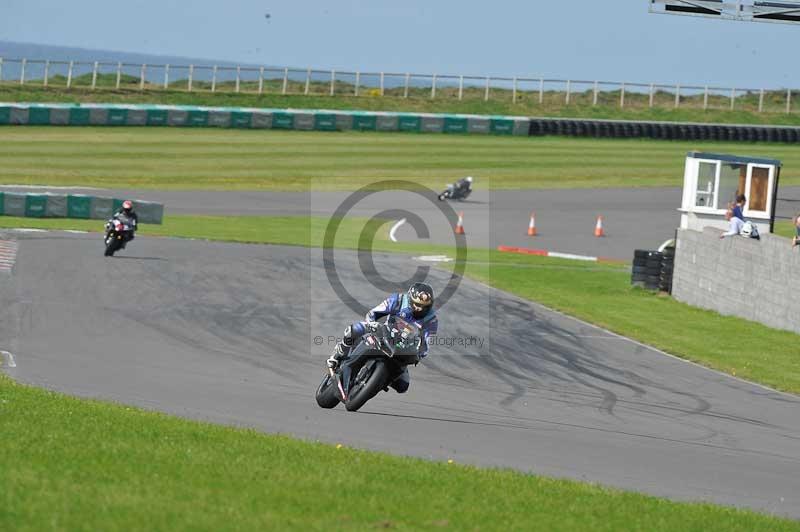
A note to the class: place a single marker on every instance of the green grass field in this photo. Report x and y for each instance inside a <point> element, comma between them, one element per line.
<point>637,105</point>
<point>164,158</point>
<point>69,464</point>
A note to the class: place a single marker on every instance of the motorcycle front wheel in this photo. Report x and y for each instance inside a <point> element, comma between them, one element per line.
<point>327,394</point>
<point>442,196</point>
<point>369,381</point>
<point>111,246</point>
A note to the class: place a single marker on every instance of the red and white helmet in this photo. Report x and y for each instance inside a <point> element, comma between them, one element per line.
<point>127,205</point>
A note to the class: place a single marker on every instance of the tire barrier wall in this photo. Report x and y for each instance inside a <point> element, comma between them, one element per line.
<point>255,118</point>
<point>653,269</point>
<point>745,277</point>
<point>74,206</point>
<point>663,130</point>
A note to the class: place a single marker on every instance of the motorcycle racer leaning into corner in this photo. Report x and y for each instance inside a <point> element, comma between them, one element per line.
<point>414,306</point>
<point>127,211</point>
<point>462,185</point>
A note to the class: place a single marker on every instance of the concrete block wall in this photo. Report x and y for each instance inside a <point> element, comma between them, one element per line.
<point>744,277</point>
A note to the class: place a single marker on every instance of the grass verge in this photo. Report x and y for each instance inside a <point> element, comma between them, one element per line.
<point>597,293</point>
<point>214,159</point>
<point>89,465</point>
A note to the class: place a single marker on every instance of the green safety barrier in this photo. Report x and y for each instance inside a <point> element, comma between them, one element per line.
<point>409,123</point>
<point>13,204</point>
<point>156,117</point>
<point>232,117</point>
<point>500,126</point>
<point>78,117</point>
<point>325,122</point>
<point>197,118</point>
<point>455,124</point>
<point>35,205</point>
<point>117,117</point>
<point>365,122</point>
<point>241,119</point>
<point>39,116</point>
<point>79,206</point>
<point>74,206</point>
<point>282,120</point>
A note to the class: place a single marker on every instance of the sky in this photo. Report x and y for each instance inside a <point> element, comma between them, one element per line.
<point>614,40</point>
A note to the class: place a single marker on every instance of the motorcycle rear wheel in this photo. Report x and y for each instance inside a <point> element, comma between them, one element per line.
<point>327,394</point>
<point>368,387</point>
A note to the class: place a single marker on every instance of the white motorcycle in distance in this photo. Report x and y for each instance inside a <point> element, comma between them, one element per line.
<point>460,190</point>
<point>119,230</point>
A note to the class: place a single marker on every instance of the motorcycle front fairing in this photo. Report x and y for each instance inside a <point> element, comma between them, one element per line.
<point>396,340</point>
<point>368,348</point>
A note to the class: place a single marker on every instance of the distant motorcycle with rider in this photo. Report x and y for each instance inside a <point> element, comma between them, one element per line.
<point>460,190</point>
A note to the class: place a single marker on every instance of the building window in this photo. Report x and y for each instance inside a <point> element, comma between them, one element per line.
<point>706,179</point>
<point>732,179</point>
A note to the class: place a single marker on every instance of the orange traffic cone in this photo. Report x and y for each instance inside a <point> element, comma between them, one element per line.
<point>460,224</point>
<point>598,228</point>
<point>532,225</point>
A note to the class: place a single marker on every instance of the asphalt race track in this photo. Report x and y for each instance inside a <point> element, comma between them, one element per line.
<point>225,332</point>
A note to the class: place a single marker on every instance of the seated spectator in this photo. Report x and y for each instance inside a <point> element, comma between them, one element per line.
<point>734,224</point>
<point>796,238</point>
<point>738,207</point>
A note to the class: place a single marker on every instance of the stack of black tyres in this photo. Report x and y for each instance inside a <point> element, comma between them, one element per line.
<point>653,269</point>
<point>667,265</point>
<point>646,270</point>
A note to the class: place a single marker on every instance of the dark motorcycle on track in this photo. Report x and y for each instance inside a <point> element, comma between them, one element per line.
<point>377,359</point>
<point>460,190</point>
<point>119,231</point>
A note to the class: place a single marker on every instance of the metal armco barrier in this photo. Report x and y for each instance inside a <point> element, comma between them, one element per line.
<point>37,205</point>
<point>255,118</point>
<point>662,130</point>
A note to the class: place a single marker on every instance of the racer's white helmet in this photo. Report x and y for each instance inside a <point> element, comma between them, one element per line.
<point>469,178</point>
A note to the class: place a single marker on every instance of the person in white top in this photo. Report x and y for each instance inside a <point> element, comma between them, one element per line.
<point>735,224</point>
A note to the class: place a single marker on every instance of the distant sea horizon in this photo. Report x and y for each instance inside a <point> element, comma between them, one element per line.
<point>34,51</point>
<point>12,53</point>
